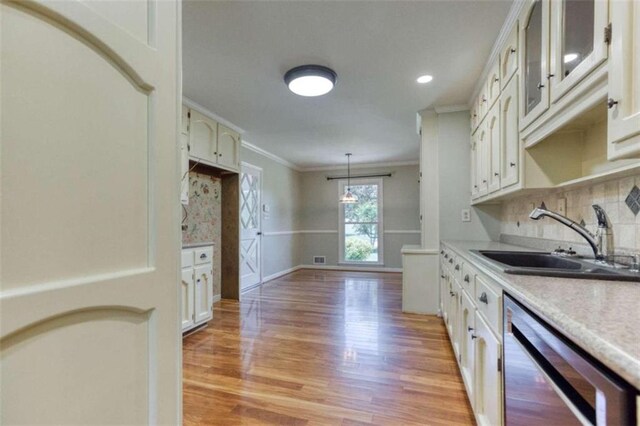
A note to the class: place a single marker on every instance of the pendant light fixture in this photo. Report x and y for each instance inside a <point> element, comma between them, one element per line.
<point>310,80</point>
<point>348,197</point>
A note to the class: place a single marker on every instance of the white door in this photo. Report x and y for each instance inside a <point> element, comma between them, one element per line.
<point>203,293</point>
<point>89,217</point>
<point>250,226</point>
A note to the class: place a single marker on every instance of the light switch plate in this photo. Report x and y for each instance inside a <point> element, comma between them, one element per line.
<point>265,208</point>
<point>466,215</point>
<point>562,206</point>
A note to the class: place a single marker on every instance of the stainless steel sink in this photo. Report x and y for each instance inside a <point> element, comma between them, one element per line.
<point>550,265</point>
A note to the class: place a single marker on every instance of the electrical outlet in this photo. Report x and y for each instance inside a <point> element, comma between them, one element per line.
<point>466,215</point>
<point>562,206</point>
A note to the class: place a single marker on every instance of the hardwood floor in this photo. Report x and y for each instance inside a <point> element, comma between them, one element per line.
<point>322,347</point>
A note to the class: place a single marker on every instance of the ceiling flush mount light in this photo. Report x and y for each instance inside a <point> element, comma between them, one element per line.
<point>310,80</point>
<point>348,197</point>
<point>424,79</point>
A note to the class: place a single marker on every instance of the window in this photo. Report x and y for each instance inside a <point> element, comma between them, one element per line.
<point>361,223</point>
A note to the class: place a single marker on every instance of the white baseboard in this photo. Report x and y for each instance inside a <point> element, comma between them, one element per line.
<point>351,268</point>
<point>280,273</point>
<point>216,298</point>
<point>331,268</point>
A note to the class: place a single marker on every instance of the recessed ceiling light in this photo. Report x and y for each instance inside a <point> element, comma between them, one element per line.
<point>310,80</point>
<point>570,57</point>
<point>424,79</point>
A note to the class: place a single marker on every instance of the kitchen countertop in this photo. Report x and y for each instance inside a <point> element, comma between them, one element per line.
<point>195,245</point>
<point>601,317</point>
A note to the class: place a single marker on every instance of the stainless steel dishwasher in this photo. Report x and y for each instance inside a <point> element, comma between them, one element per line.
<point>550,381</point>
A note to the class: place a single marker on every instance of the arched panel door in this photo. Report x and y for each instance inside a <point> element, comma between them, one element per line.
<point>89,212</point>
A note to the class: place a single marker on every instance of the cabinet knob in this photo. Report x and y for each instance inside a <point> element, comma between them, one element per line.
<point>219,155</point>
<point>473,336</point>
<point>470,328</point>
<point>512,50</point>
<point>496,79</point>
<point>457,267</point>
<point>198,280</point>
<point>611,103</point>
<point>512,164</point>
<point>450,260</point>
<point>496,174</point>
<point>475,186</point>
<point>550,75</point>
<point>451,293</point>
<point>484,181</point>
<point>483,298</point>
<point>540,86</point>
<point>484,99</point>
<point>466,278</point>
<point>442,276</point>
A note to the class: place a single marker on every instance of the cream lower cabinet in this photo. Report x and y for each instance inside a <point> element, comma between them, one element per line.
<point>624,81</point>
<point>196,287</point>
<point>472,309</point>
<point>488,374</point>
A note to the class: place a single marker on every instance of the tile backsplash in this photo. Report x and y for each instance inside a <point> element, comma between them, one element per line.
<point>610,195</point>
<point>202,217</point>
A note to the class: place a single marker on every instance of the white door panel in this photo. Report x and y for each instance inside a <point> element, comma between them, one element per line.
<point>88,176</point>
<point>250,226</point>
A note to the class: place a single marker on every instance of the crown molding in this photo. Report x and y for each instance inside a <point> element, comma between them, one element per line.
<point>451,108</point>
<point>267,154</point>
<point>505,31</point>
<point>361,166</point>
<point>202,110</point>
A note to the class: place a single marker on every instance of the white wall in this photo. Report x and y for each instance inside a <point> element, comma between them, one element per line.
<point>319,212</point>
<point>281,190</point>
<point>454,158</point>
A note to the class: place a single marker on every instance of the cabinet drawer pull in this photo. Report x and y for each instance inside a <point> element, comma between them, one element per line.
<point>496,79</point>
<point>442,276</point>
<point>203,256</point>
<point>470,328</point>
<point>450,260</point>
<point>451,293</point>
<point>550,75</point>
<point>446,256</point>
<point>496,174</point>
<point>512,164</point>
<point>611,103</point>
<point>473,336</point>
<point>457,268</point>
<point>513,50</point>
<point>540,86</point>
<point>483,298</point>
<point>466,278</point>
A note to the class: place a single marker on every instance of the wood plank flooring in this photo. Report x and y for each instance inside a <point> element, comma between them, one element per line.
<point>322,347</point>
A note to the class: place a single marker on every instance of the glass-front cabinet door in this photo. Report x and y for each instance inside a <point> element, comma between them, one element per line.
<point>534,41</point>
<point>578,44</point>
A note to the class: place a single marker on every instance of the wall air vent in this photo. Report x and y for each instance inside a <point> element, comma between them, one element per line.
<point>319,260</point>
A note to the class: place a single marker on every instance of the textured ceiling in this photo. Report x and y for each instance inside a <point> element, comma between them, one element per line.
<point>235,54</point>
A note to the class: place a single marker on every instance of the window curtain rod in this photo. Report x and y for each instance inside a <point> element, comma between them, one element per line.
<point>359,176</point>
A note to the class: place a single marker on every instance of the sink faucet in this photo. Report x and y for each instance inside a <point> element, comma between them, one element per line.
<point>599,241</point>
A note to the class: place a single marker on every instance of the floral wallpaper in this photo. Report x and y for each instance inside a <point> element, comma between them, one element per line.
<point>202,216</point>
<point>610,195</point>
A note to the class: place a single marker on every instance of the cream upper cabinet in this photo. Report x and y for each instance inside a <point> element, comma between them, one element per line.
<point>624,81</point>
<point>228,147</point>
<point>488,375</point>
<point>534,45</point>
<point>493,145</point>
<point>203,137</point>
<point>578,42</point>
<point>482,154</point>
<point>509,135</point>
<point>509,57</point>
<point>493,84</point>
<point>474,167</point>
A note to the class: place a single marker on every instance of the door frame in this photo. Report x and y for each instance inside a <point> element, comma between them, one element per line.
<point>244,164</point>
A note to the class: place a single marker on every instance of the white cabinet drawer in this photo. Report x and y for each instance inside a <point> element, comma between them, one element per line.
<point>488,299</point>
<point>187,258</point>
<point>203,255</point>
